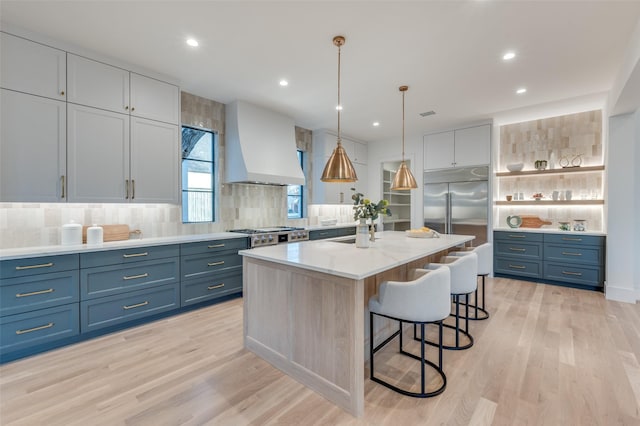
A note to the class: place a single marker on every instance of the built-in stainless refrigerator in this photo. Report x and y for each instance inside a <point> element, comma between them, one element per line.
<point>456,201</point>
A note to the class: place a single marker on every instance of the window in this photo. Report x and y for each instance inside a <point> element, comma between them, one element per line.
<point>198,175</point>
<point>294,196</point>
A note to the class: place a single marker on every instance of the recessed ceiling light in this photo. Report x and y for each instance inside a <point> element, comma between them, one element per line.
<point>192,42</point>
<point>521,90</point>
<point>508,56</point>
<point>376,124</point>
<point>284,82</point>
<point>339,107</point>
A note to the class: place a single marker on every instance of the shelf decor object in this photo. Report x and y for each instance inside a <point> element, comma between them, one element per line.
<point>403,180</point>
<point>339,168</point>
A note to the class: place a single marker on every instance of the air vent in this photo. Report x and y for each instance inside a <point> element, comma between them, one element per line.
<point>428,113</point>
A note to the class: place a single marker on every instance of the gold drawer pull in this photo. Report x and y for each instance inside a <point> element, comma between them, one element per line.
<point>571,239</point>
<point>216,263</point>
<point>126,256</point>
<point>216,245</point>
<point>29,330</point>
<point>34,293</point>
<point>568,253</point>
<point>517,236</point>
<point>42,265</point>
<point>213,287</point>
<point>137,305</point>
<point>517,249</point>
<point>133,277</point>
<point>579,274</point>
<point>517,266</point>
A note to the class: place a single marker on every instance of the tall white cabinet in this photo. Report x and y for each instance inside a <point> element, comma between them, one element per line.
<point>79,130</point>
<point>324,143</point>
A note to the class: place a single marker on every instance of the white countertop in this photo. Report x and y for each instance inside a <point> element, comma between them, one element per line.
<point>336,226</point>
<point>391,249</point>
<point>17,253</point>
<point>551,231</point>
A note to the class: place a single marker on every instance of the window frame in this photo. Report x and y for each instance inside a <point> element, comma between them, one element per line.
<point>300,195</point>
<point>214,180</point>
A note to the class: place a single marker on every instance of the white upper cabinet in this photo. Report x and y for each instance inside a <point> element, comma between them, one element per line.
<point>458,148</point>
<point>32,148</point>
<point>154,99</point>
<point>360,153</point>
<point>32,68</point>
<point>155,162</point>
<point>97,85</point>
<point>98,155</point>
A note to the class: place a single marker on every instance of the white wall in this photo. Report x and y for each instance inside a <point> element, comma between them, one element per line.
<point>623,244</point>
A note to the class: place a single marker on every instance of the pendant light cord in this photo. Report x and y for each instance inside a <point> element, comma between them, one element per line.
<point>403,125</point>
<point>339,104</point>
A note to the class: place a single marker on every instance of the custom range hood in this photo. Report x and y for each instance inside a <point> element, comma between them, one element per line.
<point>260,146</point>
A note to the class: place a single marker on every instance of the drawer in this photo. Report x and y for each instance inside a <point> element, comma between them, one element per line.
<point>571,273</point>
<point>573,254</point>
<point>112,310</point>
<point>346,231</point>
<point>119,257</point>
<point>19,295</point>
<point>37,265</point>
<point>108,280</point>
<point>518,249</point>
<point>517,236</point>
<point>205,264</point>
<point>200,290</point>
<point>519,267</point>
<point>38,327</point>
<point>214,246</point>
<point>591,240</point>
<point>322,234</point>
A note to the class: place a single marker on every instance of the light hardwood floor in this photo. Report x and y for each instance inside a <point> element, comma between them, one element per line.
<point>547,356</point>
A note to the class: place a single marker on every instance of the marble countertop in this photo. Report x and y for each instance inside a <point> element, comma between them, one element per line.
<point>336,226</point>
<point>391,249</point>
<point>17,253</point>
<point>551,231</point>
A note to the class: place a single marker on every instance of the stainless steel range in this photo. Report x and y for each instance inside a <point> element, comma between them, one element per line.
<point>274,235</point>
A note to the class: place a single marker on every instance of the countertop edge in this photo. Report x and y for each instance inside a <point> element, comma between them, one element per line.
<point>552,231</point>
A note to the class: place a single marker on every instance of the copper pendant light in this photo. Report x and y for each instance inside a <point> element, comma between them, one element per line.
<point>403,180</point>
<point>339,168</point>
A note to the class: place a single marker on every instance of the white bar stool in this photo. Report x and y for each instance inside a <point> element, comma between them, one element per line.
<point>485,260</point>
<point>425,300</point>
<point>463,282</point>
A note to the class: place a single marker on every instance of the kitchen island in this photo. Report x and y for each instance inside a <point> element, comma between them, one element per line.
<point>305,305</point>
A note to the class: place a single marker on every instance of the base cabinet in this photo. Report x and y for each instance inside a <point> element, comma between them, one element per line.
<point>569,259</point>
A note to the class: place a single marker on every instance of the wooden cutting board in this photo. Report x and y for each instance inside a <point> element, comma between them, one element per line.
<point>110,233</point>
<point>531,221</point>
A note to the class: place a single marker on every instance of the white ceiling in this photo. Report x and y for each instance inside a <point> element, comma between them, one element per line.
<point>448,53</point>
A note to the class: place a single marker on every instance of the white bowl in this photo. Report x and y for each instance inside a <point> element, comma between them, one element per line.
<point>328,222</point>
<point>515,167</point>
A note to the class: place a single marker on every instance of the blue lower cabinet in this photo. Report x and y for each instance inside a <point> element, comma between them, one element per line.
<point>574,273</point>
<point>200,290</point>
<point>520,267</point>
<point>38,327</point>
<point>111,310</point>
<point>322,234</point>
<point>202,265</point>
<point>18,295</point>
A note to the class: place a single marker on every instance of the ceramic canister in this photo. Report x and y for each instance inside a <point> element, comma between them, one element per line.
<point>95,235</point>
<point>71,234</point>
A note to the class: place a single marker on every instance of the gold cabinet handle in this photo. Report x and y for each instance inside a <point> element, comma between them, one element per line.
<point>42,265</point>
<point>29,330</point>
<point>568,253</point>
<point>126,256</point>
<point>216,263</point>
<point>517,266</point>
<point>62,183</point>
<point>133,109</point>
<point>126,107</point>
<point>579,274</point>
<point>216,246</point>
<point>137,305</point>
<point>517,249</point>
<point>62,93</point>
<point>517,236</point>
<point>213,287</point>
<point>571,239</point>
<point>35,293</point>
<point>133,277</point>
<point>133,189</point>
<point>126,184</point>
